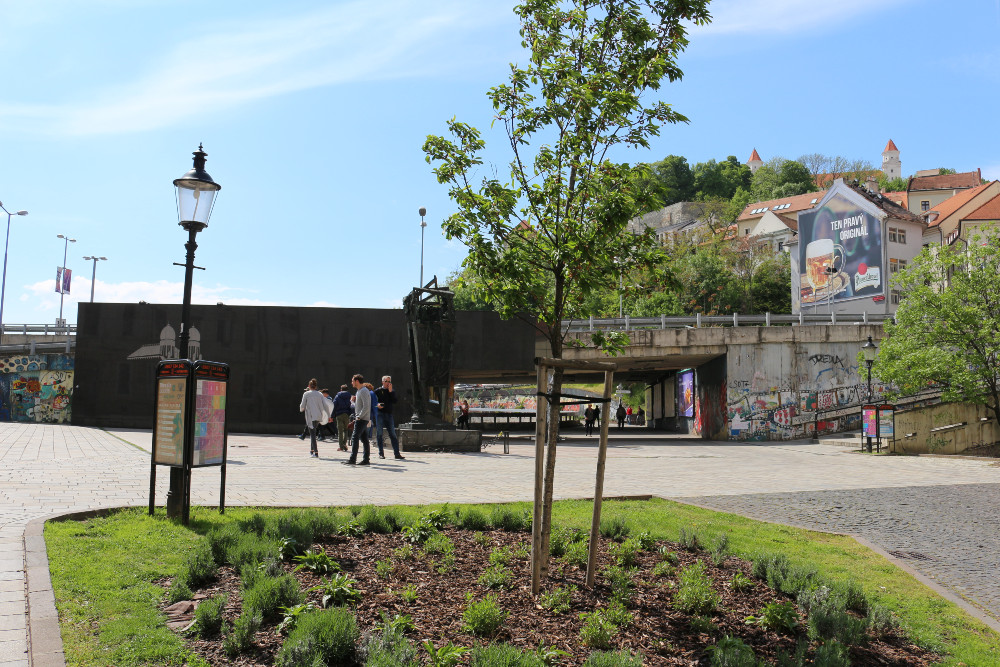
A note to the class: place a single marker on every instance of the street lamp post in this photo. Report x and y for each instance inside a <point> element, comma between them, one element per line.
<point>870,351</point>
<point>93,275</point>
<point>423,225</point>
<point>62,292</point>
<point>195,198</point>
<point>3,287</point>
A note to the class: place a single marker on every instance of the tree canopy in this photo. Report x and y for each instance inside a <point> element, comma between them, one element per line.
<point>947,328</point>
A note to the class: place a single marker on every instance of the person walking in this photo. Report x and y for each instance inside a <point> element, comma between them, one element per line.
<point>620,415</point>
<point>463,414</point>
<point>329,426</point>
<point>373,419</point>
<point>313,406</point>
<point>386,397</point>
<point>589,416</point>
<point>362,413</point>
<point>342,415</point>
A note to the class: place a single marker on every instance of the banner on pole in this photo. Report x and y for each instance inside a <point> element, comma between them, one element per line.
<point>63,278</point>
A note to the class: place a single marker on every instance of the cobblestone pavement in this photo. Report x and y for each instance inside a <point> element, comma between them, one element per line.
<point>47,469</point>
<point>949,533</point>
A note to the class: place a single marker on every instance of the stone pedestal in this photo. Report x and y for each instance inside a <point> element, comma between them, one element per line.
<point>428,440</point>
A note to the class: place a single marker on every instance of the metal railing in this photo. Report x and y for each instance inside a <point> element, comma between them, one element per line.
<point>38,329</point>
<point>734,320</point>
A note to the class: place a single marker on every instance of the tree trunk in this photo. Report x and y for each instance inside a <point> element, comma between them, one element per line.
<point>555,382</point>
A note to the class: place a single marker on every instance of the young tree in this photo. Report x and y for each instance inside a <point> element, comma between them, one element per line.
<point>552,230</point>
<point>947,329</point>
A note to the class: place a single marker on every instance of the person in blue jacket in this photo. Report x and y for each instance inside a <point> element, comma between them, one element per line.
<point>342,414</point>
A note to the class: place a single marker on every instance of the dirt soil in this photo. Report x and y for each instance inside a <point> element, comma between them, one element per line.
<point>662,634</point>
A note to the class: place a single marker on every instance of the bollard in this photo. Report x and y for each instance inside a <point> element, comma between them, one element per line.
<point>506,442</point>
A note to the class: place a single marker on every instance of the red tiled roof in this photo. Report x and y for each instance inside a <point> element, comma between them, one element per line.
<point>900,198</point>
<point>988,211</point>
<point>890,147</point>
<point>754,156</point>
<point>969,179</point>
<point>796,203</point>
<point>791,223</point>
<point>952,204</point>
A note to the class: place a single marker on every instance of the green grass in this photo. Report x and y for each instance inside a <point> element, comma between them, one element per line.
<point>109,574</point>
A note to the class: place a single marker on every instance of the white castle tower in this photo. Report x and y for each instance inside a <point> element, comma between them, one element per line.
<point>891,166</point>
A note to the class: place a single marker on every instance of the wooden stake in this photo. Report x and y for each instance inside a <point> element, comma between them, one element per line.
<point>536,518</point>
<point>602,455</point>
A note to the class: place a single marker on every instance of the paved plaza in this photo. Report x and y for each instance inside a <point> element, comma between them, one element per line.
<point>934,514</point>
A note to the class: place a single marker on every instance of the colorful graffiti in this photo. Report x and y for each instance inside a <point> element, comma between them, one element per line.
<point>36,388</point>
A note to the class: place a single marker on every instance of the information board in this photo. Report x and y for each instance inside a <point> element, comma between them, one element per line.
<point>210,422</point>
<point>870,413</point>
<point>886,422</point>
<point>171,413</point>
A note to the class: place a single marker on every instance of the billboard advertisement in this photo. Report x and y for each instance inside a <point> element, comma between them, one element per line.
<point>840,253</point>
<point>685,394</point>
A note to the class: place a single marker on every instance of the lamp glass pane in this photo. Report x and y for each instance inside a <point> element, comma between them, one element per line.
<point>194,205</point>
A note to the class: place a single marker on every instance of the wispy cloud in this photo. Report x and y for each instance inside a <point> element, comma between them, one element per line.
<point>354,41</point>
<point>45,300</point>
<point>765,18</point>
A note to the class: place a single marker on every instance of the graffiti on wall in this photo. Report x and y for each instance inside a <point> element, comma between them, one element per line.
<point>36,388</point>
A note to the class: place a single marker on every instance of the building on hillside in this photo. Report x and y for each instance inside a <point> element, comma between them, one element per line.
<point>752,216</point>
<point>950,219</point>
<point>897,198</point>
<point>754,162</point>
<point>683,218</point>
<point>986,215</point>
<point>928,189</point>
<point>848,246</point>
<point>892,167</point>
<point>775,231</point>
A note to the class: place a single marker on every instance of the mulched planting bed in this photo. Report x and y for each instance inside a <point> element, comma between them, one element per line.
<point>660,633</point>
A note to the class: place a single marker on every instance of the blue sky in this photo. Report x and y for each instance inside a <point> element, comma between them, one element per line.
<point>313,114</point>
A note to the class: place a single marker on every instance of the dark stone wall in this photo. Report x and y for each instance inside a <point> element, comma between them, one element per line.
<point>272,352</point>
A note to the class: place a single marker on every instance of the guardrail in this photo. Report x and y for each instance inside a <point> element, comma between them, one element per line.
<point>38,329</point>
<point>734,320</point>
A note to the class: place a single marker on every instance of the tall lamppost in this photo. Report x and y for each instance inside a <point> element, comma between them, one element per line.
<point>195,198</point>
<point>93,275</point>
<point>870,351</point>
<point>62,292</point>
<point>3,288</point>
<point>423,225</point>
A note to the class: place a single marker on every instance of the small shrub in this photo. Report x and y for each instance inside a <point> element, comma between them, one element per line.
<point>267,595</point>
<point>439,518</point>
<point>179,590</point>
<point>381,520</point>
<point>483,540</point>
<point>338,590</point>
<point>625,553</point>
<point>613,659</point>
<point>291,617</point>
<point>853,595</point>
<point>419,531</point>
<point>831,654</point>
<point>295,525</point>
<point>720,550</point>
<point>199,566</point>
<point>559,540</point>
<point>558,600</point>
<point>740,582</point>
<point>703,625</point>
<point>351,528</point>
<point>402,623</point>
<point>240,639</point>
<point>828,618</point>
<point>472,518</point>
<point>577,554</point>
<point>270,567</point>
<point>503,655</point>
<point>318,562</point>
<point>689,540</point>
<point>522,551</point>
<point>439,543</point>
<point>246,549</point>
<point>663,569</point>
<point>256,523</point>
<point>496,576</point>
<point>795,659</point>
<point>208,616</point>
<point>326,637</point>
<point>444,564</point>
<point>510,520</point>
<point>383,568</point>
<point>405,552</point>
<point>597,631</point>
<point>447,655</point>
<point>778,616</point>
<point>620,581</point>
<point>288,548</point>
<point>695,594</point>
<point>549,655</point>
<point>732,652</point>
<point>645,540</point>
<point>388,647</point>
<point>881,620</point>
<point>484,617</point>
<point>409,594</point>
<point>618,614</point>
<point>500,556</point>
<point>668,555</point>
<point>615,528</point>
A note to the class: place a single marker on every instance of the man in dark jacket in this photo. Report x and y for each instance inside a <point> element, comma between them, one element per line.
<point>342,413</point>
<point>386,399</point>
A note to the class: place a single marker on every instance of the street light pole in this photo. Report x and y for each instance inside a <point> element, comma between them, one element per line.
<point>870,351</point>
<point>423,225</point>
<point>93,275</point>
<point>62,292</point>
<point>3,287</point>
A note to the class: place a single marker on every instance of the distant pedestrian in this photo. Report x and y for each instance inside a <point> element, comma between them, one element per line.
<point>362,413</point>
<point>374,412</point>
<point>620,415</point>
<point>330,426</point>
<point>342,415</point>
<point>386,398</point>
<point>463,414</point>
<point>628,415</point>
<point>313,406</point>
<point>589,417</point>
<point>641,419</point>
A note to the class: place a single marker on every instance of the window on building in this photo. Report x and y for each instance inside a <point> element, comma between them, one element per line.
<point>746,232</point>
<point>781,246</point>
<point>925,205</point>
<point>900,235</point>
<point>894,297</point>
<point>896,265</point>
<point>892,233</point>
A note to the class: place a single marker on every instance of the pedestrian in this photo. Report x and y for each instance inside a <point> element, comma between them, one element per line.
<point>589,417</point>
<point>463,414</point>
<point>374,411</point>
<point>386,397</point>
<point>330,426</point>
<point>641,419</point>
<point>620,414</point>
<point>313,406</point>
<point>342,415</point>
<point>362,413</point>
<point>628,415</point>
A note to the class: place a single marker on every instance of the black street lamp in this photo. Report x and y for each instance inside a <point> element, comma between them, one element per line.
<point>870,351</point>
<point>195,198</point>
